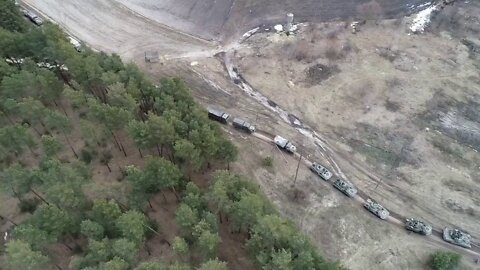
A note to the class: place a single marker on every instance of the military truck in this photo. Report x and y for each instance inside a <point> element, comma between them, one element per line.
<point>33,17</point>
<point>457,237</point>
<point>243,125</point>
<point>284,144</point>
<point>418,226</point>
<point>347,188</point>
<point>321,171</point>
<point>376,208</point>
<point>218,115</point>
<point>75,43</point>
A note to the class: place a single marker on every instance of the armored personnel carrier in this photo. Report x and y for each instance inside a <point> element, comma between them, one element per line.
<point>321,171</point>
<point>243,125</point>
<point>377,209</point>
<point>218,115</point>
<point>418,226</point>
<point>284,144</point>
<point>457,237</point>
<point>347,188</point>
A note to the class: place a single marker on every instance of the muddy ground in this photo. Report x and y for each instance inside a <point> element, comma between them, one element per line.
<point>131,27</point>
<point>212,19</point>
<point>405,107</point>
<point>400,111</point>
<point>111,27</point>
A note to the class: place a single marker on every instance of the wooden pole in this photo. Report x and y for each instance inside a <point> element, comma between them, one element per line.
<point>296,172</point>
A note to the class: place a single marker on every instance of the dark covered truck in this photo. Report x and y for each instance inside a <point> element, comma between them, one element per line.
<point>218,115</point>
<point>243,125</point>
<point>33,17</point>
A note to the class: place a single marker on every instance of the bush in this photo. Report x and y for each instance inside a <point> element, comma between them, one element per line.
<point>444,260</point>
<point>267,162</point>
<point>153,224</point>
<point>87,155</point>
<point>28,205</point>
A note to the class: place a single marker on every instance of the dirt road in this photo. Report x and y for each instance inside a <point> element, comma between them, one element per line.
<point>130,27</point>
<point>107,26</point>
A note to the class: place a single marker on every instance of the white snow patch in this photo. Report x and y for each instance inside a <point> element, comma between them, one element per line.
<point>422,20</point>
<point>250,33</point>
<point>278,28</point>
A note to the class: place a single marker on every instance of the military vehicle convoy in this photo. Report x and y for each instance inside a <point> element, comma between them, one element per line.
<point>454,236</point>
<point>376,208</point>
<point>346,188</point>
<point>218,115</point>
<point>418,226</point>
<point>457,237</point>
<point>243,125</point>
<point>284,144</point>
<point>321,171</point>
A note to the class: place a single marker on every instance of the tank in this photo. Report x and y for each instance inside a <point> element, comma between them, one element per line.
<point>284,144</point>
<point>457,237</point>
<point>218,115</point>
<point>243,125</point>
<point>377,209</point>
<point>347,188</point>
<point>321,171</point>
<point>418,226</point>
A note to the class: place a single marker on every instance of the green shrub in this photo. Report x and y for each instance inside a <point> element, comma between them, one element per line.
<point>444,260</point>
<point>28,205</point>
<point>267,162</point>
<point>153,224</point>
<point>87,155</point>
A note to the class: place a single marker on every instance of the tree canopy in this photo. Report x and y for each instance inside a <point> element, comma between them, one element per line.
<point>64,113</point>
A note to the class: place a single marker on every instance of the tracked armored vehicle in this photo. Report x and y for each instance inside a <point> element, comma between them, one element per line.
<point>457,237</point>
<point>243,125</point>
<point>218,115</point>
<point>321,171</point>
<point>284,144</point>
<point>376,208</point>
<point>347,188</point>
<point>418,226</point>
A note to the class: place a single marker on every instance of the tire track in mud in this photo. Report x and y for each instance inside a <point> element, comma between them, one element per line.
<point>327,151</point>
<point>284,115</point>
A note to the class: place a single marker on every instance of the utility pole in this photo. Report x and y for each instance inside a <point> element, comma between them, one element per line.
<point>281,153</point>
<point>296,172</point>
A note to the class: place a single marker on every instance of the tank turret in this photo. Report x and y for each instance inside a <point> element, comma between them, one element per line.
<point>418,226</point>
<point>377,209</point>
<point>347,188</point>
<point>457,237</point>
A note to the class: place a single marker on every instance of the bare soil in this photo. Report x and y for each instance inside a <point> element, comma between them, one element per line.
<point>402,106</point>
<point>398,112</point>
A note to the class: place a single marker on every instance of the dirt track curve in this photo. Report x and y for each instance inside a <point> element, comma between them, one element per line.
<point>119,32</point>
<point>394,218</point>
